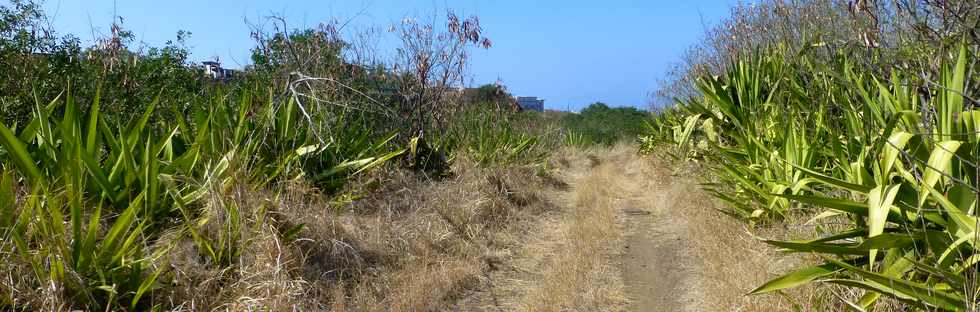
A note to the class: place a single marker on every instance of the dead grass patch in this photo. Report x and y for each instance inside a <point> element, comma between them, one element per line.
<point>410,244</point>
<point>563,263</point>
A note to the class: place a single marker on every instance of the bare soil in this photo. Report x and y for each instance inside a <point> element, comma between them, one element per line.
<point>681,252</point>
<point>659,264</point>
<point>655,266</point>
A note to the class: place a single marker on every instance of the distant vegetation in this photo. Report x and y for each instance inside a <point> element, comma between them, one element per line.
<point>860,116</point>
<point>601,124</point>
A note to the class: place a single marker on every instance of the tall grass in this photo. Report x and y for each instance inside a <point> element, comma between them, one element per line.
<point>893,154</point>
<point>84,200</point>
<point>493,140</point>
<point>100,187</point>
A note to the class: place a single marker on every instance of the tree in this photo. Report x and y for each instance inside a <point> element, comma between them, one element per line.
<point>429,68</point>
<point>598,123</point>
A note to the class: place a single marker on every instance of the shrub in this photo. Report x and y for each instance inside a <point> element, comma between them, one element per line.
<point>601,124</point>
<point>899,166</point>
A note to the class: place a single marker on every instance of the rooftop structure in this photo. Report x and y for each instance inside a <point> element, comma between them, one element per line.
<point>213,69</point>
<point>530,103</point>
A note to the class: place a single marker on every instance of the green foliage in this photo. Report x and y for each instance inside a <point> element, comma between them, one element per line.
<point>494,96</point>
<point>39,64</point>
<point>90,188</point>
<point>879,35</point>
<point>495,141</point>
<point>87,172</point>
<point>601,124</point>
<point>315,52</point>
<point>860,147</point>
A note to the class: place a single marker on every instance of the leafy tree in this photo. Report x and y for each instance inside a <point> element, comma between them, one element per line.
<point>600,124</point>
<point>493,96</point>
<point>38,64</point>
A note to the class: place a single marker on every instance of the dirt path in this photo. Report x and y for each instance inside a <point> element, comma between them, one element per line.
<point>681,253</point>
<point>633,234</point>
<point>659,265</point>
<point>655,264</point>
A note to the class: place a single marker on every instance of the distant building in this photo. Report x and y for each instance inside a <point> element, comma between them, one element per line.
<point>530,103</point>
<point>213,69</point>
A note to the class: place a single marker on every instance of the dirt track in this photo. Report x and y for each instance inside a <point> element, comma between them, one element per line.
<point>680,252</point>
<point>633,234</point>
<point>659,265</point>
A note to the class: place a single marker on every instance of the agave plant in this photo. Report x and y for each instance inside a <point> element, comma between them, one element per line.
<point>917,206</point>
<point>742,119</point>
<point>98,194</point>
<point>901,168</point>
<point>90,175</point>
<point>492,140</point>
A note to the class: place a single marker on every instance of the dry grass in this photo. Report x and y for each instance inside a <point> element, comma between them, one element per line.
<point>575,259</point>
<point>265,276</point>
<point>576,272</point>
<point>565,262</point>
<point>484,240</point>
<point>411,245</point>
<point>734,257</point>
<point>437,237</point>
<point>731,258</point>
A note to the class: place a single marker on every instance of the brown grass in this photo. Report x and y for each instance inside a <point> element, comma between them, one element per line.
<point>411,245</point>
<point>579,275</point>
<point>506,239</point>
<point>564,262</point>
<point>408,244</point>
<point>575,258</point>
<point>735,258</point>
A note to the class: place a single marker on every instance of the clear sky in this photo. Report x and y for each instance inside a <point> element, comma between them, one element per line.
<point>570,53</point>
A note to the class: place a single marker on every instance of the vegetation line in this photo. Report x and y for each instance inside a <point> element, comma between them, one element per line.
<point>875,144</point>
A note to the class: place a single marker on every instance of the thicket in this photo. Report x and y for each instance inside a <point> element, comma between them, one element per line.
<point>600,124</point>
<point>860,114</point>
<point>114,153</point>
<point>40,64</point>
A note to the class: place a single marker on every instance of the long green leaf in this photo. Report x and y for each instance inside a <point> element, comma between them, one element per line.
<point>18,153</point>
<point>797,278</point>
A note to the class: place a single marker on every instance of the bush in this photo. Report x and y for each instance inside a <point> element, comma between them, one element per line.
<point>877,35</point>
<point>845,142</point>
<point>600,124</point>
<point>862,112</point>
<point>113,154</point>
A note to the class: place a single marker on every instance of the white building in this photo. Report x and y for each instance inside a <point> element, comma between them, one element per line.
<point>213,69</point>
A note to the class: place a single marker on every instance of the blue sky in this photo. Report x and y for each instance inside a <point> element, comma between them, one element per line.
<point>570,53</point>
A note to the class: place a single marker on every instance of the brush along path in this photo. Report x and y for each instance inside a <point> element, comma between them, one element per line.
<point>631,236</point>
